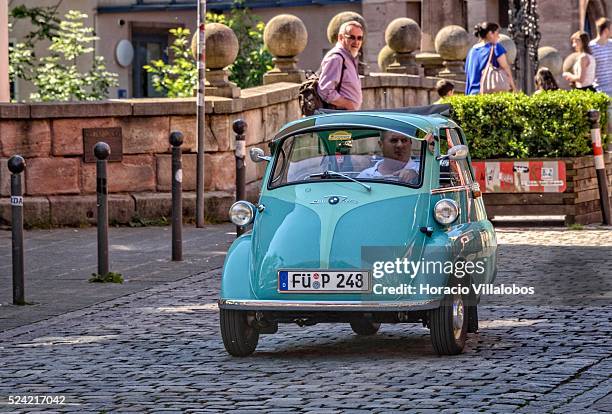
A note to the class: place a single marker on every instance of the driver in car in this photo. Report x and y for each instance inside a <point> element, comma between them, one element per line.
<point>397,162</point>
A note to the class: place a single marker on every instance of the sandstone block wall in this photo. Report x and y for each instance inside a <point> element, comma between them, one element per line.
<point>60,187</point>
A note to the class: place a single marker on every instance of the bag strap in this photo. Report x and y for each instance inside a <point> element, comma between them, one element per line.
<point>341,72</point>
<point>491,54</point>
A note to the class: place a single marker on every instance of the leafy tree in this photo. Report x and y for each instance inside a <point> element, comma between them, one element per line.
<point>45,23</point>
<point>57,77</point>
<point>253,58</point>
<point>179,79</point>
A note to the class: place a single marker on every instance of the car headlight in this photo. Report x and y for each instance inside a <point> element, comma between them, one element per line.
<point>242,213</point>
<point>446,211</point>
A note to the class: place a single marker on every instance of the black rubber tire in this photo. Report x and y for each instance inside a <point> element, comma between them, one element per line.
<point>365,327</point>
<point>239,338</point>
<point>441,328</point>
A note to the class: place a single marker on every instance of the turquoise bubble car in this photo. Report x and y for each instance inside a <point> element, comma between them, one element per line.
<point>364,218</point>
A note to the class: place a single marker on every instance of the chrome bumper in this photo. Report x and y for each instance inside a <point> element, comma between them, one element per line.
<point>348,306</point>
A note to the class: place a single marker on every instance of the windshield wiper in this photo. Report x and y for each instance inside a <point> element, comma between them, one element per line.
<point>329,173</point>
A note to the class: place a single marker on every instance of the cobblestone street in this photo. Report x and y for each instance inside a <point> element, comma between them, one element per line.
<point>160,350</point>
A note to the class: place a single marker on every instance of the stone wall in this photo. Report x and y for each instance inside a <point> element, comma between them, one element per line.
<point>60,186</point>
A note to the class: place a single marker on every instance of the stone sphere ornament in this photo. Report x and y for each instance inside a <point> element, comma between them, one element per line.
<point>221,46</point>
<point>452,43</point>
<point>510,47</point>
<point>386,56</point>
<point>285,35</point>
<point>334,24</point>
<point>551,58</point>
<point>403,35</point>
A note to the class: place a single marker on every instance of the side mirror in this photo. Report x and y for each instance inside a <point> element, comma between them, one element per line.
<point>257,155</point>
<point>456,153</point>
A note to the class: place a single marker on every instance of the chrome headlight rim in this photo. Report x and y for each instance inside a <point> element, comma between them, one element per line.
<point>242,213</point>
<point>446,203</point>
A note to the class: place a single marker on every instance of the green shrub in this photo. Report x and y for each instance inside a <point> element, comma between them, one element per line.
<point>510,125</point>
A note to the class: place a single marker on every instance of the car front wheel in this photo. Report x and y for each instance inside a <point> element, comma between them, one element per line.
<point>239,337</point>
<point>365,327</point>
<point>448,325</point>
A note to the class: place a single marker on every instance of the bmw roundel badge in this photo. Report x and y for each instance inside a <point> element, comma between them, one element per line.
<point>334,200</point>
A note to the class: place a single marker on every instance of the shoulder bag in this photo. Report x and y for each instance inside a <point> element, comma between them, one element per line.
<point>493,79</point>
<point>308,96</point>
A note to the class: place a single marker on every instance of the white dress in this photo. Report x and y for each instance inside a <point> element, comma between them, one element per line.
<point>589,77</point>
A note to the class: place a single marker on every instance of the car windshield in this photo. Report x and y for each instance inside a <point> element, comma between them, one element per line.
<point>343,154</point>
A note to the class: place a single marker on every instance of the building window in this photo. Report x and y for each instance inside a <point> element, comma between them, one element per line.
<point>148,45</point>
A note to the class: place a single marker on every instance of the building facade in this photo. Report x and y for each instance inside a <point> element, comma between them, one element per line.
<point>145,24</point>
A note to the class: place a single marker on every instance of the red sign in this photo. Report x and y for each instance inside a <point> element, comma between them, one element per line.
<point>520,176</point>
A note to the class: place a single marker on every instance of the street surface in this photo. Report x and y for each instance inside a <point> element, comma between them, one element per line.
<point>158,348</point>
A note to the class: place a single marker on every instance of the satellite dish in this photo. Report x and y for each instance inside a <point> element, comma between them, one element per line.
<point>124,53</point>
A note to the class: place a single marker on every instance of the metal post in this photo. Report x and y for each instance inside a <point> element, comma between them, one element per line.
<point>176,140</point>
<point>239,126</point>
<point>600,167</point>
<point>102,151</point>
<point>16,165</point>
<point>201,123</point>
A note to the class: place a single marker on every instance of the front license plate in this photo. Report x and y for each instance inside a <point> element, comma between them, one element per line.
<point>316,281</point>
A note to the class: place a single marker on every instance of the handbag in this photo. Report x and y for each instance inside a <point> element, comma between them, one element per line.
<point>493,79</point>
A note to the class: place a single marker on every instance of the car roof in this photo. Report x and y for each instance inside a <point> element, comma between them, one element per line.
<point>392,119</point>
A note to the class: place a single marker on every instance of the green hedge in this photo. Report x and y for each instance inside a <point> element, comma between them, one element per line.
<point>514,125</point>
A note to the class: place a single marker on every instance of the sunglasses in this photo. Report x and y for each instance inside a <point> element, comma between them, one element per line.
<point>351,37</point>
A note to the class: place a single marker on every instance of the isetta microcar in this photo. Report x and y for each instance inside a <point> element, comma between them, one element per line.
<point>364,217</point>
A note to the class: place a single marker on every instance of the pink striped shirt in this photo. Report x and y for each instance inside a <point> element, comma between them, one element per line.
<point>331,68</point>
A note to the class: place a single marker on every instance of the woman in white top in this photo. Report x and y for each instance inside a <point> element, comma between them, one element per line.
<point>583,74</point>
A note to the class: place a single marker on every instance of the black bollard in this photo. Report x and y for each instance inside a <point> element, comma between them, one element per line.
<point>102,151</point>
<point>600,167</point>
<point>176,140</point>
<point>239,126</point>
<point>16,165</point>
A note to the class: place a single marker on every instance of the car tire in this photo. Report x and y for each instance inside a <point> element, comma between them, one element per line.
<point>448,325</point>
<point>365,327</point>
<point>239,338</point>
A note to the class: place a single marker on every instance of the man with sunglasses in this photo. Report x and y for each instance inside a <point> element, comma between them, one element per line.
<point>339,84</point>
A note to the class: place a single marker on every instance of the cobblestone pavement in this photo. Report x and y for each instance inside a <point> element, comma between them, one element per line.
<point>159,350</point>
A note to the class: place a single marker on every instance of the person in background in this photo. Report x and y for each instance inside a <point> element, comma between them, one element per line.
<point>478,56</point>
<point>445,89</point>
<point>339,83</point>
<point>583,75</point>
<point>545,81</point>
<point>601,48</point>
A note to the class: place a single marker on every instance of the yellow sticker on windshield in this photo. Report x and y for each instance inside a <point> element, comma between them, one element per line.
<point>340,136</point>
